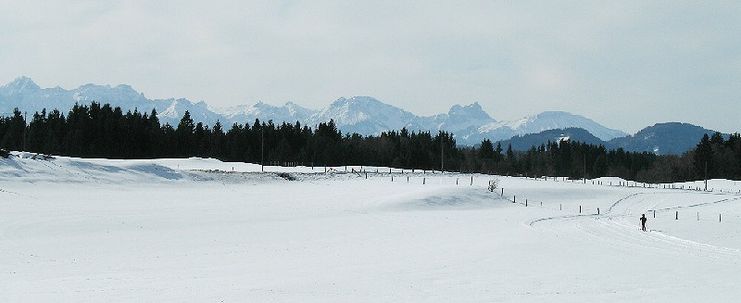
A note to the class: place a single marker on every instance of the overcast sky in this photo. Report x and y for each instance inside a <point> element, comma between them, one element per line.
<point>626,64</point>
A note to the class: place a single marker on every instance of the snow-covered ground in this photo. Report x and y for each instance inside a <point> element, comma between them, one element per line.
<point>201,230</point>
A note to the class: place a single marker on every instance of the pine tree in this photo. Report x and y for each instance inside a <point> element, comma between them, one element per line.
<point>703,156</point>
<point>14,132</point>
<point>486,151</point>
<point>184,134</point>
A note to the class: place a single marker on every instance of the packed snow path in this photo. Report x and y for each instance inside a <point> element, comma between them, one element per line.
<point>199,230</point>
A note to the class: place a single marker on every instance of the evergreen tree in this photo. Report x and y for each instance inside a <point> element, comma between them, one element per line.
<point>184,133</point>
<point>486,151</point>
<point>14,129</point>
<point>703,156</point>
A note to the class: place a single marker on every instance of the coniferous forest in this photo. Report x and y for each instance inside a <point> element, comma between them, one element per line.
<point>107,132</point>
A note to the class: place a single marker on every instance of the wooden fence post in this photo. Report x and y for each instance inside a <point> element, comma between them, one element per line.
<point>676,215</point>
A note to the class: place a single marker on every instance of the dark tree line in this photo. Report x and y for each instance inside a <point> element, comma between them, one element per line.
<point>714,157</point>
<point>104,131</point>
<point>566,159</point>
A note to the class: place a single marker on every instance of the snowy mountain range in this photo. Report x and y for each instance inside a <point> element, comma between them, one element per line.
<point>359,114</point>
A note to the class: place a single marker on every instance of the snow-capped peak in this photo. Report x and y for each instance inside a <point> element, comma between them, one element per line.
<point>560,119</point>
<point>289,112</point>
<point>20,85</point>
<point>462,117</point>
<point>364,115</point>
<point>473,110</point>
<point>296,110</point>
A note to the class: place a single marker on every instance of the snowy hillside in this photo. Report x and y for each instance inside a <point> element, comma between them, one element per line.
<point>202,230</point>
<point>360,114</point>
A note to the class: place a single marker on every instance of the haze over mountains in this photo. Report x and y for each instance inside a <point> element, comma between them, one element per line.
<point>360,114</point>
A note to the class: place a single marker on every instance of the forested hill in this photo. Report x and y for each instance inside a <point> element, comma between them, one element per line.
<point>105,131</point>
<point>671,138</point>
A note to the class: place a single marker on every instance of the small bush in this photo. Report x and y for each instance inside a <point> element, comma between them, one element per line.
<point>493,184</point>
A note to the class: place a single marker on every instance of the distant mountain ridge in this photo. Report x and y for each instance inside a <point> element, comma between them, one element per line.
<point>663,138</point>
<point>360,114</point>
<point>525,142</point>
<point>671,138</point>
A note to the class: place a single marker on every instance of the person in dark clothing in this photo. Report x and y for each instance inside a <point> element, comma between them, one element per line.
<point>643,222</point>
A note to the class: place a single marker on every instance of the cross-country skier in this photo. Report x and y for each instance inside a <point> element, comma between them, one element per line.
<point>643,222</point>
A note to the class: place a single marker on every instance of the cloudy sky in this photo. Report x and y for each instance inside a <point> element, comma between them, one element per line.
<point>626,64</point>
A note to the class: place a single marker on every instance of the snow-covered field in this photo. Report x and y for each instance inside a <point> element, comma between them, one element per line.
<point>201,230</point>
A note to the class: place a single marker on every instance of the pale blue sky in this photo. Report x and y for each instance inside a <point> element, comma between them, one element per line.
<point>626,64</point>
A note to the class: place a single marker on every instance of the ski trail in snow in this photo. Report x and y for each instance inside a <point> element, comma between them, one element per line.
<point>612,229</point>
<point>565,217</point>
<point>609,210</point>
<point>622,235</point>
<point>730,199</point>
<point>533,222</point>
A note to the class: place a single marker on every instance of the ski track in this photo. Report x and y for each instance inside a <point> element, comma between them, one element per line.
<point>612,230</point>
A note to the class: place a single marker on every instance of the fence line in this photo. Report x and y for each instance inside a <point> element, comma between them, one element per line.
<point>527,202</point>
